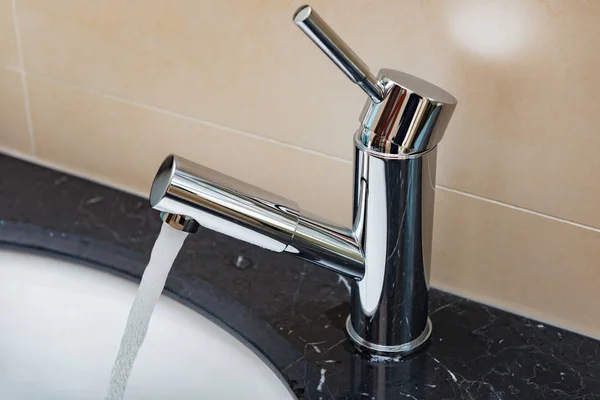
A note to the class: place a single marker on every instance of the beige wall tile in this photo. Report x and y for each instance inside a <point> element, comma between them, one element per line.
<point>124,144</point>
<point>526,130</point>
<point>522,262</point>
<point>240,64</point>
<point>14,133</point>
<point>8,45</point>
<point>525,74</point>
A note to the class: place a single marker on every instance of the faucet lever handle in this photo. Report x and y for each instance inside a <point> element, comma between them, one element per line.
<point>338,51</point>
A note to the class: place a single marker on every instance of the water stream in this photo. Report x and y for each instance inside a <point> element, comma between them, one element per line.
<point>163,255</point>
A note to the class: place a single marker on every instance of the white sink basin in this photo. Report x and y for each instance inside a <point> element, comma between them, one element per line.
<point>60,328</point>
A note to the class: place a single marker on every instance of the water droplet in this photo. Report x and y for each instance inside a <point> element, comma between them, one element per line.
<point>242,262</point>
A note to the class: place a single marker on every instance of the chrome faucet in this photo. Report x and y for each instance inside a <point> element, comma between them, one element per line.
<point>387,251</point>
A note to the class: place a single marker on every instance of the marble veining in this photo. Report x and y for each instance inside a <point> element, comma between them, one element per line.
<point>294,312</point>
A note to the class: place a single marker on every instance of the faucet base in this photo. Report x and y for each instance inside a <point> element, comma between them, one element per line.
<point>399,351</point>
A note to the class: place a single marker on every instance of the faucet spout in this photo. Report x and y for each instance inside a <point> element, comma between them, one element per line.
<point>185,191</point>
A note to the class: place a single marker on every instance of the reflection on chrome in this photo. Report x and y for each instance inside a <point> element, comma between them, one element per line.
<point>387,250</point>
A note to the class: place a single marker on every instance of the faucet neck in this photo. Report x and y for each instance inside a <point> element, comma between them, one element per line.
<point>237,209</point>
<point>328,246</point>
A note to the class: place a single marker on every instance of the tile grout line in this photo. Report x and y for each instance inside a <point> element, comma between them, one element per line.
<point>12,69</point>
<point>23,77</point>
<point>517,208</point>
<point>192,119</point>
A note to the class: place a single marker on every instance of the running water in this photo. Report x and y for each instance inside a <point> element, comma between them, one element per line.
<point>163,255</point>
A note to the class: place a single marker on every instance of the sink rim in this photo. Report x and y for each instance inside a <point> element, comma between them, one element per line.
<point>53,307</point>
<point>207,300</point>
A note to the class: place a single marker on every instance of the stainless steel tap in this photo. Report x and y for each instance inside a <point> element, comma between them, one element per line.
<point>387,250</point>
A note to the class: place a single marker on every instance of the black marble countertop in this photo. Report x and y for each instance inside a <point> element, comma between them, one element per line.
<point>294,312</point>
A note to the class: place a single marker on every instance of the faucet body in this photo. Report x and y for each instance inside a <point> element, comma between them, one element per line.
<point>393,221</point>
<point>386,252</point>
